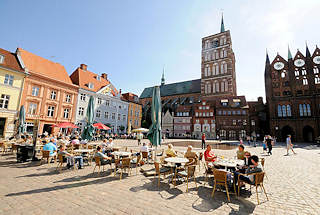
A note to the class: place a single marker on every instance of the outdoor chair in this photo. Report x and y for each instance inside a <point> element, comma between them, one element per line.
<point>159,171</point>
<point>60,163</point>
<point>258,182</point>
<point>123,164</point>
<point>14,148</point>
<point>188,173</point>
<point>145,155</point>
<point>136,162</point>
<point>208,171</point>
<point>199,161</point>
<point>220,178</point>
<point>46,155</point>
<point>98,163</point>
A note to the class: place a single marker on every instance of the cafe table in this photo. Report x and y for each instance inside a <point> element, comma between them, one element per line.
<point>228,163</point>
<point>119,153</point>
<point>175,161</point>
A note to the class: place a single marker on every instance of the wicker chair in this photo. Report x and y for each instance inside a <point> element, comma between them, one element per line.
<point>136,162</point>
<point>220,178</point>
<point>145,155</point>
<point>60,163</point>
<point>159,171</point>
<point>99,164</point>
<point>208,171</point>
<point>46,155</point>
<point>123,164</point>
<point>188,173</point>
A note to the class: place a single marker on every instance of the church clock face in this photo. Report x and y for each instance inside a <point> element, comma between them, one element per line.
<point>278,65</point>
<point>316,60</point>
<point>299,63</point>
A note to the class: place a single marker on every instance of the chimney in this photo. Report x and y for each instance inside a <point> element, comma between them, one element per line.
<point>104,75</point>
<point>83,67</point>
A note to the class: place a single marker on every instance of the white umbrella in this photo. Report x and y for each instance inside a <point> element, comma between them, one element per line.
<point>140,130</point>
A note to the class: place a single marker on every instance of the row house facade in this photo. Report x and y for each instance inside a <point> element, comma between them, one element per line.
<point>49,96</point>
<point>182,122</point>
<point>293,95</point>
<point>204,120</point>
<point>134,110</point>
<point>167,124</point>
<point>109,109</point>
<point>12,77</point>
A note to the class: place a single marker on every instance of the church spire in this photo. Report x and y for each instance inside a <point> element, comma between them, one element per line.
<point>289,54</point>
<point>162,78</point>
<point>267,58</point>
<point>222,25</point>
<point>307,51</point>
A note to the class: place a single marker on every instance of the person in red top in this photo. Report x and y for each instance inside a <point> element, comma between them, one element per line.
<point>209,156</point>
<point>203,138</point>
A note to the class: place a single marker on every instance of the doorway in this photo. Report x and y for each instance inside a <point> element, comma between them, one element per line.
<point>285,131</point>
<point>308,134</point>
<point>47,128</point>
<point>2,126</point>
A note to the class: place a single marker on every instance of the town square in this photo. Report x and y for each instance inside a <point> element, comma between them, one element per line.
<point>147,107</point>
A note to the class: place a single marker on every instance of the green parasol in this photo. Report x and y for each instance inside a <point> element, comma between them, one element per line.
<point>88,129</point>
<point>22,120</point>
<point>154,134</point>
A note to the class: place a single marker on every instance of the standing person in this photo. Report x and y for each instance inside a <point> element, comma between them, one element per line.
<point>269,143</point>
<point>203,142</point>
<point>241,141</point>
<point>139,138</point>
<point>289,145</point>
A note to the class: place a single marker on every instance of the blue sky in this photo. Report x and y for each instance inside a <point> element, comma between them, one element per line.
<point>133,40</point>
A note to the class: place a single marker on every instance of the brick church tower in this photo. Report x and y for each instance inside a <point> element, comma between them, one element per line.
<point>218,76</point>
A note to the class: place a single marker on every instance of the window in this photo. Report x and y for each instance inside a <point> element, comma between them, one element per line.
<point>217,69</point>
<point>83,97</point>
<point>303,72</point>
<point>224,104</point>
<point>217,86</point>
<point>53,95</point>
<point>289,110</point>
<point>221,68</point>
<point>66,112</point>
<point>119,116</point>
<point>197,114</point>
<point>99,101</point>
<point>279,111</point>
<point>4,101</point>
<point>244,112</point>
<point>124,117</point>
<point>106,115</point>
<point>68,98</point>
<point>229,112</point>
<point>98,113</point>
<point>224,40</point>
<point>98,78</point>
<point>244,122</point>
<point>221,53</point>
<point>108,103</point>
<point>35,91</point>
<point>209,71</point>
<point>238,112</point>
<point>113,116</point>
<point>32,108</point>
<point>50,111</point>
<point>225,67</point>
<point>234,122</point>
<point>253,123</point>
<point>225,53</point>
<point>224,112</point>
<point>90,85</point>
<point>8,79</point>
<point>1,58</point>
<point>222,86</point>
<point>296,73</point>
<point>217,55</point>
<point>304,109</point>
<point>209,88</point>
<point>81,111</point>
<point>317,80</point>
<point>305,81</point>
<point>219,112</point>
<point>211,113</point>
<point>316,70</point>
<point>284,111</point>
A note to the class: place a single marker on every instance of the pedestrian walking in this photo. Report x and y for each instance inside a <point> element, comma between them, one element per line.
<point>203,142</point>
<point>289,145</point>
<point>269,143</point>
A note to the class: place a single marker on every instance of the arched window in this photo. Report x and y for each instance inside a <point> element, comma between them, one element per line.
<point>304,110</point>
<point>221,53</point>
<point>300,109</point>
<point>217,69</point>
<point>225,53</point>
<point>206,71</point>
<point>221,40</point>
<point>279,111</point>
<point>222,86</point>
<point>226,86</point>
<point>217,55</point>
<point>213,88</point>
<point>284,111</point>
<point>315,70</point>
<point>209,71</point>
<point>308,110</point>
<point>305,81</point>
<point>209,88</point>
<point>221,68</point>
<point>288,110</point>
<point>217,87</point>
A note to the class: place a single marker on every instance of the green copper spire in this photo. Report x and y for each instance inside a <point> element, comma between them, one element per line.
<point>289,54</point>
<point>222,25</point>
<point>162,78</point>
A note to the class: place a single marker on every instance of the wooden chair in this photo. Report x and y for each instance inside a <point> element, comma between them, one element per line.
<point>159,171</point>
<point>14,148</point>
<point>46,155</point>
<point>136,162</point>
<point>98,163</point>
<point>257,182</point>
<point>145,155</point>
<point>220,178</point>
<point>123,164</point>
<point>188,173</point>
<point>208,171</point>
<point>60,163</point>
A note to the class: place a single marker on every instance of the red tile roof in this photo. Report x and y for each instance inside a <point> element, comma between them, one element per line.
<point>10,60</point>
<point>39,65</point>
<point>83,77</point>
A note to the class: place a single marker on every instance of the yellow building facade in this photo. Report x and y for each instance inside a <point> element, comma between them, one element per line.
<point>134,115</point>
<point>11,85</point>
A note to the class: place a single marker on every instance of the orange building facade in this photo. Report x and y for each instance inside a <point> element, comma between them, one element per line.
<point>49,96</point>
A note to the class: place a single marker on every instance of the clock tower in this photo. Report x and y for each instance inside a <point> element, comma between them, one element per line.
<point>218,76</point>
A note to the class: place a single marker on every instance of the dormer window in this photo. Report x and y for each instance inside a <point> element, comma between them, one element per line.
<point>1,58</point>
<point>98,78</point>
<point>90,85</point>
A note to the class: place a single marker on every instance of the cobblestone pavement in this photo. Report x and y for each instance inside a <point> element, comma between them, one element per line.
<point>292,185</point>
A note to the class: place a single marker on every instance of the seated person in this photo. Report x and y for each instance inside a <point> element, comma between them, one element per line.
<point>144,148</point>
<point>246,164</point>
<point>209,156</point>
<point>240,152</point>
<point>190,154</point>
<point>170,152</point>
<point>71,158</point>
<point>254,168</point>
<point>103,158</point>
<point>49,146</point>
<point>110,143</point>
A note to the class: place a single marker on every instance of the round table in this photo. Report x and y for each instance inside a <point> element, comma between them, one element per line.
<point>83,150</point>
<point>118,153</point>
<point>176,160</point>
<point>228,163</point>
